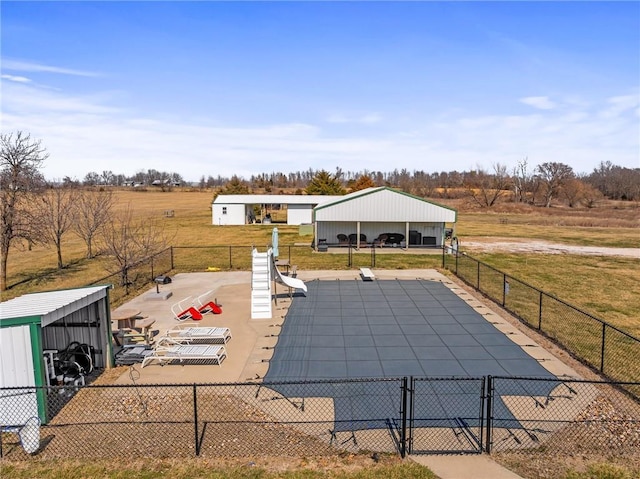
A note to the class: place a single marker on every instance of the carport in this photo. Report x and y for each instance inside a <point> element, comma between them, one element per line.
<point>408,220</point>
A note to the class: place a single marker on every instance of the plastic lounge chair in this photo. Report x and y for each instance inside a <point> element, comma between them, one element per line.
<point>182,313</point>
<point>187,333</point>
<point>208,306</point>
<point>166,354</point>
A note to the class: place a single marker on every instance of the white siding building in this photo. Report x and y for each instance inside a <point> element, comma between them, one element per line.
<point>238,209</point>
<point>367,214</point>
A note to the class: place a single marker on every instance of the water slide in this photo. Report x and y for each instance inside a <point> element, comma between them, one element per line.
<point>288,280</point>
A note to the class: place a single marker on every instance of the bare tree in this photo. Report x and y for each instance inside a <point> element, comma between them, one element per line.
<point>521,181</point>
<point>553,176</point>
<point>127,240</point>
<point>20,161</point>
<point>93,211</point>
<point>485,188</point>
<point>54,216</point>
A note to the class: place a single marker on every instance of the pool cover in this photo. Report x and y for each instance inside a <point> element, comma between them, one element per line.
<point>390,329</point>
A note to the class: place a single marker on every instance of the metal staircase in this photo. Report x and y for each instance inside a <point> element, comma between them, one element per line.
<point>261,285</point>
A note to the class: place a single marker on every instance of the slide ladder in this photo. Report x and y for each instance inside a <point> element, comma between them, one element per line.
<point>261,286</point>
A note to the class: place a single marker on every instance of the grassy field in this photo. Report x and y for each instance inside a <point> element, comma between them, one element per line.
<point>204,469</point>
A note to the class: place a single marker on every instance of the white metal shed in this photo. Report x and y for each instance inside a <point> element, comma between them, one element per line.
<point>379,210</point>
<point>238,209</point>
<point>33,323</point>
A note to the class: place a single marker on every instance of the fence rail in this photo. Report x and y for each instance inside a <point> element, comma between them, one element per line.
<point>592,340</point>
<point>398,415</point>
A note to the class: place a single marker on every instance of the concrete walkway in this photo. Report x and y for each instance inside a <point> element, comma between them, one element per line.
<point>475,466</point>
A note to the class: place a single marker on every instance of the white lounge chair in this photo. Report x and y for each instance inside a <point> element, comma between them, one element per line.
<point>199,334</point>
<point>186,352</point>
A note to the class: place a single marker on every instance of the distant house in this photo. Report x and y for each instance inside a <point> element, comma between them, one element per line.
<point>166,182</point>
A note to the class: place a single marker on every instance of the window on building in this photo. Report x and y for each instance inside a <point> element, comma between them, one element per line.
<point>224,210</point>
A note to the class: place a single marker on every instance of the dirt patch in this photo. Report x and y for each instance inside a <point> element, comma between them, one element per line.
<point>525,245</point>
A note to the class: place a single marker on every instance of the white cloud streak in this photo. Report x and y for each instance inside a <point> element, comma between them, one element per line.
<point>22,66</point>
<point>368,118</point>
<point>15,78</point>
<point>540,102</point>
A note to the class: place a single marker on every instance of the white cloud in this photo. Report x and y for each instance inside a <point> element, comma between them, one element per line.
<point>15,78</point>
<point>23,66</point>
<point>368,118</point>
<point>619,105</point>
<point>91,133</point>
<point>540,102</point>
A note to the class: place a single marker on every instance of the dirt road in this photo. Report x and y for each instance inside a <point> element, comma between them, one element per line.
<point>524,245</point>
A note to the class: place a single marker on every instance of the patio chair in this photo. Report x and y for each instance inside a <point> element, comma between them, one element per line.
<point>343,239</point>
<point>181,312</point>
<point>380,240</point>
<point>204,306</point>
<point>186,333</point>
<point>361,243</point>
<point>199,353</point>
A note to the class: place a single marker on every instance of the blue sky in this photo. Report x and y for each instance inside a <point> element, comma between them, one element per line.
<point>223,88</point>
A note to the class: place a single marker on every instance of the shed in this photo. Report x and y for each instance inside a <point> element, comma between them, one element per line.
<point>34,323</point>
<point>239,209</point>
<point>406,220</point>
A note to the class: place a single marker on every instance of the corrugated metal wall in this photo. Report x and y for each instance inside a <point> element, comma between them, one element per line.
<point>299,214</point>
<point>386,205</point>
<point>85,326</point>
<point>235,215</point>
<point>16,369</point>
<point>16,361</point>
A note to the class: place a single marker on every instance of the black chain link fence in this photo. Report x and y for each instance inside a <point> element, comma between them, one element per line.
<point>136,277</point>
<point>392,415</point>
<point>561,416</point>
<point>595,342</point>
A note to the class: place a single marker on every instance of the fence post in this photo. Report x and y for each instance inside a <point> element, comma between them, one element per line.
<point>195,420</point>
<point>604,330</point>
<point>483,401</point>
<point>403,413</point>
<point>456,253</point>
<point>489,413</point>
<point>152,275</point>
<point>540,312</point>
<point>443,255</point>
<point>478,276</point>
<point>230,263</point>
<point>504,289</point>
<point>373,256</point>
<point>171,251</point>
<point>349,259</point>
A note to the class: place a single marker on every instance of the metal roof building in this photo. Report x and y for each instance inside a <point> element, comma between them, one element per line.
<point>406,220</point>
<point>31,325</point>
<point>239,209</point>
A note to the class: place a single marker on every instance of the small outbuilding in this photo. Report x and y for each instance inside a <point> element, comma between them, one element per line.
<point>34,328</point>
<point>382,216</point>
<point>241,209</point>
